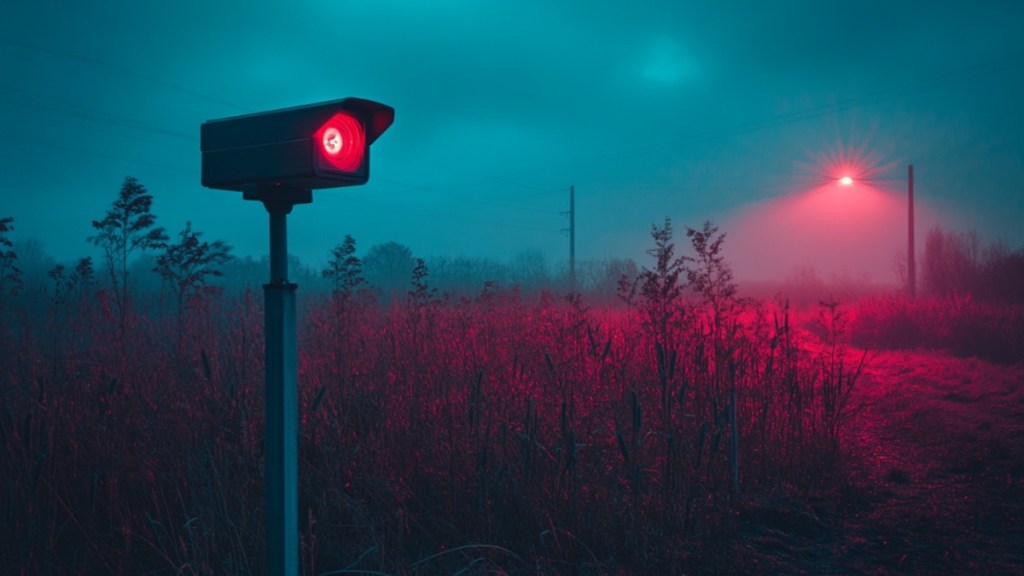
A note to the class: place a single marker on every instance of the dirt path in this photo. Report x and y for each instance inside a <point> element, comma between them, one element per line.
<point>938,468</point>
<point>932,480</point>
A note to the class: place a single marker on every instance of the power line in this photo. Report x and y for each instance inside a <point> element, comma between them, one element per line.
<point>931,82</point>
<point>77,153</point>
<point>56,106</point>
<point>104,119</point>
<point>124,70</point>
<point>66,107</point>
<point>433,214</point>
<point>97,126</point>
<point>482,202</point>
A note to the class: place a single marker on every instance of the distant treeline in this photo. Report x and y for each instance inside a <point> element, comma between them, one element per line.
<point>959,263</point>
<point>140,260</point>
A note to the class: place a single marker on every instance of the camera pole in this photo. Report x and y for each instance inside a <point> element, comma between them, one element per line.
<point>281,468</point>
<point>277,158</point>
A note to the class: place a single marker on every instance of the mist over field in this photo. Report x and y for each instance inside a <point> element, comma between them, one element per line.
<point>624,289</point>
<point>858,233</point>
<point>441,413</point>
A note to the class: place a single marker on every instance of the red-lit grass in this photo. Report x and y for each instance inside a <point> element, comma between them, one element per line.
<point>119,461</point>
<point>497,432</point>
<point>958,324</point>
<point>940,475</point>
<point>514,420</point>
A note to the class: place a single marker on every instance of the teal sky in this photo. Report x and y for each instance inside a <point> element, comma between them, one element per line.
<point>730,111</point>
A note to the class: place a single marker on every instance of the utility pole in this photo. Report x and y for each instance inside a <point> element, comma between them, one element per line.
<point>911,268</point>
<point>572,237</point>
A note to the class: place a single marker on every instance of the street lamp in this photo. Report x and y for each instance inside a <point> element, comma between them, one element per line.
<point>911,265</point>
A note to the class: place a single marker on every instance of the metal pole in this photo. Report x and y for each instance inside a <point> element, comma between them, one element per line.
<point>911,267</point>
<point>281,475</point>
<point>572,237</point>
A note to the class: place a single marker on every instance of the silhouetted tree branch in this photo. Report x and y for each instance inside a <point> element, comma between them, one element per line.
<point>128,227</point>
<point>187,265</point>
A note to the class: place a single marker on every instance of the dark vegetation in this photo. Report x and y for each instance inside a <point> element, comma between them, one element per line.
<point>973,303</point>
<point>498,429</point>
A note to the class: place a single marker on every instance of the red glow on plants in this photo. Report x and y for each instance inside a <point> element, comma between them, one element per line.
<point>342,142</point>
<point>506,414</point>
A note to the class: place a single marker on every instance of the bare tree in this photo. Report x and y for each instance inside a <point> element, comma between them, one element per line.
<point>187,264</point>
<point>951,262</point>
<point>128,227</point>
<point>389,267</point>
<point>709,274</point>
<point>421,292</point>
<point>344,269</point>
<point>10,275</point>
<point>661,287</point>
<point>529,269</point>
<point>10,279</point>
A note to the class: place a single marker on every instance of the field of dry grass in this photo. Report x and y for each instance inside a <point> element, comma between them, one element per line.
<point>510,434</point>
<point>934,479</point>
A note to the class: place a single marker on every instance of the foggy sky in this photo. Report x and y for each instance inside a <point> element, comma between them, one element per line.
<point>738,112</point>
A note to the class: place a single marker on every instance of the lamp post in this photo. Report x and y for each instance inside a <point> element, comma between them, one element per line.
<point>911,265</point>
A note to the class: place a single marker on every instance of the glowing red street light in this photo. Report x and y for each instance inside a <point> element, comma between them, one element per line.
<point>846,181</point>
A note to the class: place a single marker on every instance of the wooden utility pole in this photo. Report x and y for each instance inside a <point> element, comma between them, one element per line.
<point>572,236</point>
<point>911,267</point>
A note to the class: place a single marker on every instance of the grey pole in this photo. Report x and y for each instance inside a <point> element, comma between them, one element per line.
<point>572,236</point>
<point>281,475</point>
<point>911,267</point>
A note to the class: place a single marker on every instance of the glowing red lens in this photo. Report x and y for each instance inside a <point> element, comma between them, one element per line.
<point>342,142</point>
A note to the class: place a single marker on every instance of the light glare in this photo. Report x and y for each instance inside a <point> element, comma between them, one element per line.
<point>332,141</point>
<point>846,181</point>
<point>342,143</point>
